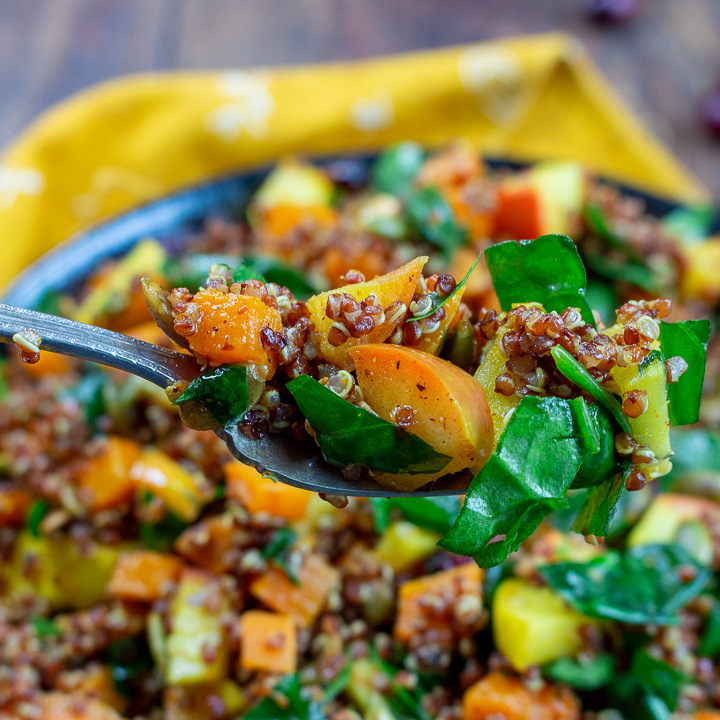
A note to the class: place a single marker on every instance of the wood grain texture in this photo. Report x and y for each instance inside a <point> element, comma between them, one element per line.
<point>662,64</point>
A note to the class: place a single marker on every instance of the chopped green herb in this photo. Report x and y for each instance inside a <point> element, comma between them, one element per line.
<point>434,219</point>
<point>50,303</point>
<point>44,627</point>
<point>161,535</point>
<point>349,435</point>
<point>37,512</point>
<point>577,374</point>
<point>394,172</point>
<point>583,675</point>
<point>278,550</point>
<point>645,584</point>
<point>339,684</point>
<point>438,302</point>
<point>688,340</point>
<point>524,480</point>
<point>600,225</point>
<point>433,513</point>
<point>547,271</point>
<point>624,271</point>
<point>244,271</point>
<point>293,707</point>
<point>224,390</point>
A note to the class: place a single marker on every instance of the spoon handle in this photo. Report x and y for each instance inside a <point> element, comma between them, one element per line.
<point>87,342</point>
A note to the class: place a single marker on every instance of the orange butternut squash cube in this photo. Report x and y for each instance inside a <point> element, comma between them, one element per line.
<point>396,286</point>
<point>144,575</point>
<point>181,490</point>
<point>229,327</point>
<point>519,213</point>
<point>14,505</point>
<point>268,642</point>
<point>414,615</point>
<point>208,543</point>
<point>451,412</point>
<point>105,482</point>
<point>281,219</point>
<point>304,601</point>
<point>259,494</point>
<point>499,695</point>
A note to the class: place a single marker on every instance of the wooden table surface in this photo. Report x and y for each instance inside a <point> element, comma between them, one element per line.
<point>663,63</point>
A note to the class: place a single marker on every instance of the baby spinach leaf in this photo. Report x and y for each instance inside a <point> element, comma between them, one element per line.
<point>269,269</point>
<point>459,347</point>
<point>710,641</point>
<point>582,674</point>
<point>594,423</point>
<point>44,627</point>
<point>397,167</point>
<point>190,270</point>
<point>689,340</point>
<point>224,390</point>
<point>524,480</point>
<point>293,707</point>
<point>432,513</point>
<point>648,691</point>
<point>690,224</point>
<point>600,506</point>
<point>161,535</point>
<point>349,435</point>
<point>598,223</point>
<point>624,270</point>
<point>278,550</point>
<point>576,373</point>
<point>645,584</point>
<point>602,298</point>
<point>547,270</point>
<point>244,272</point>
<point>439,302</point>
<point>36,513</point>
<point>434,219</point>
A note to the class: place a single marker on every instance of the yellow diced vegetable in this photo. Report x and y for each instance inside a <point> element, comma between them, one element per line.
<point>296,184</point>
<point>404,544</point>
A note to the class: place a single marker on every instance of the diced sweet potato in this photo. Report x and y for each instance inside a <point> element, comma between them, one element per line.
<point>229,327</point>
<point>281,219</point>
<point>197,647</point>
<point>209,543</point>
<point>480,223</point>
<point>14,505</point>
<point>104,482</point>
<point>519,212</point>
<point>144,575</point>
<point>706,715</point>
<point>93,681</point>
<point>414,614</point>
<point>396,286</point>
<point>451,412</point>
<point>259,494</point>
<point>181,490</point>
<point>268,642</point>
<point>303,602</point>
<point>499,695</point>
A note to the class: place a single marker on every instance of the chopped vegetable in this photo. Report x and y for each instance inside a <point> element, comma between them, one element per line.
<point>268,642</point>
<point>144,576</point>
<point>394,172</point>
<point>403,544</point>
<point>590,674</point>
<point>434,219</point>
<point>432,513</point>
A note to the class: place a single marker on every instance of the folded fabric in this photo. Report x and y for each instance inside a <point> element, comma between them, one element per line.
<point>129,140</point>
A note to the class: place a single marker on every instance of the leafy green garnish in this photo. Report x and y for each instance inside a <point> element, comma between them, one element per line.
<point>645,584</point>
<point>648,691</point>
<point>224,390</point>
<point>602,298</point>
<point>710,641</point>
<point>432,513</point>
<point>88,394</point>
<point>37,512</point>
<point>600,506</point>
<point>434,219</point>
<point>439,302</point>
<point>161,535</point>
<point>244,271</point>
<point>278,550</point>
<point>459,346</point>
<point>404,703</point>
<point>524,480</point>
<point>269,269</point>
<point>596,428</point>
<point>624,271</point>
<point>599,224</point>
<point>547,270</point>
<point>394,172</point>
<point>577,374</point>
<point>191,270</point>
<point>293,706</point>
<point>349,435</point>
<point>128,659</point>
<point>339,684</point>
<point>44,627</point>
<point>689,340</point>
<point>583,675</point>
<point>690,224</point>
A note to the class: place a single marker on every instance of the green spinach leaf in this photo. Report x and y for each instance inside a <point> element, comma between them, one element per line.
<point>244,271</point>
<point>595,427</point>
<point>161,535</point>
<point>190,270</point>
<point>524,480</point>
<point>547,270</point>
<point>36,513</point>
<point>687,339</point>
<point>434,219</point>
<point>600,506</point>
<point>269,269</point>
<point>88,394</point>
<point>690,224</point>
<point>645,584</point>
<point>278,550</point>
<point>577,374</point>
<point>224,390</point>
<point>44,627</point>
<point>349,435</point>
<point>710,641</point>
<point>293,707</point>
<point>395,170</point>
<point>432,513</point>
<point>584,675</point>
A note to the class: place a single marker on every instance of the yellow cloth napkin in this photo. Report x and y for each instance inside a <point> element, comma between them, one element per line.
<point>132,139</point>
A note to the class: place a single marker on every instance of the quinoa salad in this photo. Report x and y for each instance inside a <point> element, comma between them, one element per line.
<point>534,336</point>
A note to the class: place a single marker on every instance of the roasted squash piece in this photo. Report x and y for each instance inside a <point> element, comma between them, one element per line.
<point>144,575</point>
<point>268,642</point>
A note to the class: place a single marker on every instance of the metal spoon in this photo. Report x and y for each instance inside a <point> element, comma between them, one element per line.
<point>277,456</point>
